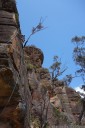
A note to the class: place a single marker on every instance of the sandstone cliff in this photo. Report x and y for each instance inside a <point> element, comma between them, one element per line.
<point>52,105</point>
<point>28,98</point>
<point>13,80</point>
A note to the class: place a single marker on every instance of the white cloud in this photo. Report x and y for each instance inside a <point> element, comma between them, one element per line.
<point>78,89</point>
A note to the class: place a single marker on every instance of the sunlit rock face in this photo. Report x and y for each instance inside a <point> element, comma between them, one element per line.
<point>12,68</point>
<point>67,100</point>
<point>46,104</point>
<point>33,57</point>
<point>43,110</point>
<point>57,100</point>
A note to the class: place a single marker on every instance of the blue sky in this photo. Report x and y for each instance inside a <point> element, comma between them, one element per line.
<point>65,19</point>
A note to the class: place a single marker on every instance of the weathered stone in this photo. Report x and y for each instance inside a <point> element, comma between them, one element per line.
<point>7,33</point>
<point>8,5</point>
<point>7,18</point>
<point>48,103</point>
<point>13,81</point>
<point>35,56</point>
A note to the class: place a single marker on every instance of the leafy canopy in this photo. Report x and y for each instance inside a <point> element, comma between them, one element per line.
<point>79,55</point>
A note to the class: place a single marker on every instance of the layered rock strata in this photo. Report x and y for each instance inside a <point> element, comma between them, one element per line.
<point>28,98</point>
<point>13,80</point>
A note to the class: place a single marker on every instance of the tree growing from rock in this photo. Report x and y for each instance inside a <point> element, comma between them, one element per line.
<point>67,79</point>
<point>56,69</point>
<point>35,29</point>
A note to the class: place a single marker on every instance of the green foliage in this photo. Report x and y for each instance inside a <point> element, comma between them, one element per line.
<point>78,39</point>
<point>35,122</point>
<point>56,68</point>
<point>67,79</point>
<point>57,113</point>
<point>42,70</point>
<point>79,55</point>
<point>79,59</point>
<point>35,29</point>
<point>30,66</point>
<point>56,65</point>
<point>60,117</point>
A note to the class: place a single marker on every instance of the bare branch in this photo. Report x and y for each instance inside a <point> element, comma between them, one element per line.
<point>36,29</point>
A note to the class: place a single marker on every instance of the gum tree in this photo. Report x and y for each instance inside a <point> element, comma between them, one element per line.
<point>79,55</point>
<point>79,59</point>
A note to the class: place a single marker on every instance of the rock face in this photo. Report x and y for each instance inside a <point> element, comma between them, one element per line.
<point>28,97</point>
<point>52,105</point>
<point>33,57</point>
<point>13,80</point>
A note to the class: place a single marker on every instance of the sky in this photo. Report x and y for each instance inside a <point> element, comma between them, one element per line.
<point>64,19</point>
